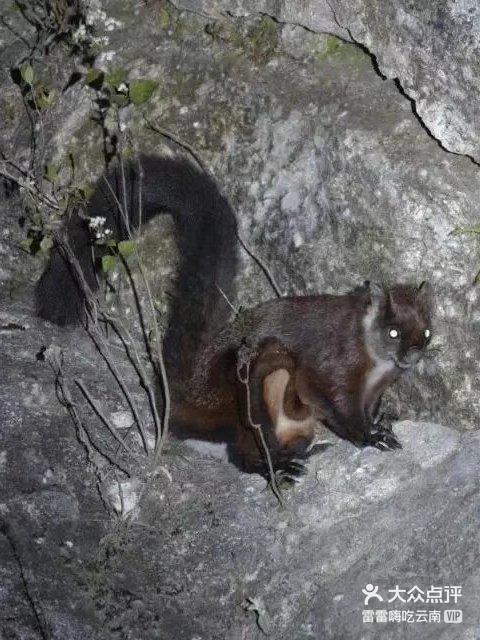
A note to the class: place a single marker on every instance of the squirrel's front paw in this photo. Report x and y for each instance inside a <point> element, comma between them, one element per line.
<point>383,438</point>
<point>289,472</point>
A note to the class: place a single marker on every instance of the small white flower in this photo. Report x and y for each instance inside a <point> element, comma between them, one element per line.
<point>97,222</point>
<point>80,34</point>
<point>111,23</point>
<point>95,15</point>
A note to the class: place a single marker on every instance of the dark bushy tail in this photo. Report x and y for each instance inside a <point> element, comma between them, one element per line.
<point>206,236</point>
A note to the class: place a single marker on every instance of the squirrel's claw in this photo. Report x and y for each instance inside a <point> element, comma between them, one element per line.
<point>383,439</point>
<point>289,473</point>
<point>318,447</point>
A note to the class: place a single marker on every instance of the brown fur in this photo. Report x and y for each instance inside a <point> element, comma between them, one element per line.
<point>325,357</point>
<point>313,363</point>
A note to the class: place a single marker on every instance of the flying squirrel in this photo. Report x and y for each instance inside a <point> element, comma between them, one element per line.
<point>325,358</point>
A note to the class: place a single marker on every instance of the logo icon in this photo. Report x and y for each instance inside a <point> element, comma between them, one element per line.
<point>370,592</point>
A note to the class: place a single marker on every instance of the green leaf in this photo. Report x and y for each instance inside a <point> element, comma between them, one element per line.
<point>460,231</point>
<point>51,172</point>
<point>165,18</point>
<point>116,78</point>
<point>31,244</point>
<point>46,244</point>
<point>120,99</point>
<point>63,205</point>
<point>26,244</point>
<point>141,90</point>
<point>108,263</point>
<point>94,78</point>
<point>477,278</point>
<point>46,98</point>
<point>126,248</point>
<point>85,191</point>
<point>27,74</point>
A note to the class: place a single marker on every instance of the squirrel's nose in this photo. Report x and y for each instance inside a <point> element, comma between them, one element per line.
<point>413,355</point>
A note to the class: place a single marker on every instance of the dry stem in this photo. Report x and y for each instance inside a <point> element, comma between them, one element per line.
<point>244,358</point>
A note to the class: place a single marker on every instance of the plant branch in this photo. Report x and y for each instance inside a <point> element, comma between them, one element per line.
<point>244,358</point>
<point>102,416</point>
<point>262,266</point>
<point>54,357</point>
<point>181,143</point>
<point>95,333</point>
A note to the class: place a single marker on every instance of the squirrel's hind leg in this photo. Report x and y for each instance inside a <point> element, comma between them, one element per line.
<point>287,424</point>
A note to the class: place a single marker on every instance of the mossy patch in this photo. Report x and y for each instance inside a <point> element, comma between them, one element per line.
<point>257,39</point>
<point>333,46</point>
<point>264,39</point>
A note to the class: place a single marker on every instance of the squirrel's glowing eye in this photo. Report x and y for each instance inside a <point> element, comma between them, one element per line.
<point>427,333</point>
<point>393,333</point>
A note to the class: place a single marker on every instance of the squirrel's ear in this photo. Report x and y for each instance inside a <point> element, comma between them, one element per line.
<point>377,292</point>
<point>425,295</point>
<point>425,289</point>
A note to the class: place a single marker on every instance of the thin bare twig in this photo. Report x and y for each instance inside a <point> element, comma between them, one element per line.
<point>159,361</point>
<point>102,416</point>
<point>140,196</point>
<point>55,360</point>
<point>244,357</point>
<point>262,266</point>
<point>232,307</point>
<point>18,35</point>
<point>181,143</point>
<point>42,130</point>
<point>156,361</point>
<point>135,360</point>
<point>95,333</point>
<point>104,350</point>
<point>126,217</point>
<point>112,191</point>
<point>36,608</point>
<point>202,164</point>
<point>29,185</point>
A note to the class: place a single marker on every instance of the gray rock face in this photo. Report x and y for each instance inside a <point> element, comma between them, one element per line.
<point>431,48</point>
<point>335,181</point>
<point>333,178</point>
<point>208,541</point>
